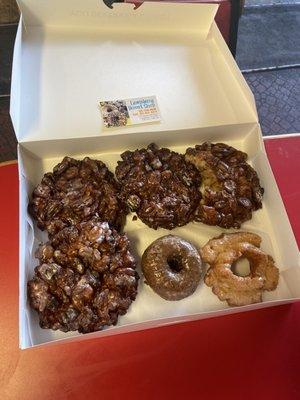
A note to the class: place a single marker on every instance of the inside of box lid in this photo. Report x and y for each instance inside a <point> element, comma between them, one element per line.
<point>123,16</point>
<point>65,72</point>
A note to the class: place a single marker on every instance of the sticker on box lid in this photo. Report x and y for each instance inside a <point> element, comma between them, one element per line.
<point>130,112</point>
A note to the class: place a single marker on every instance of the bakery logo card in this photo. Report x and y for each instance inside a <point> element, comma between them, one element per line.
<point>130,112</point>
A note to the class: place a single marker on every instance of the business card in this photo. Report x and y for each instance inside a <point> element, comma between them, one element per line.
<point>128,112</point>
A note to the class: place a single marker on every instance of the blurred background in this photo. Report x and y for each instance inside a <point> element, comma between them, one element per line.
<point>263,35</point>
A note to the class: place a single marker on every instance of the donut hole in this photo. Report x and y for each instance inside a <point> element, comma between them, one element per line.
<point>174,264</point>
<point>241,267</point>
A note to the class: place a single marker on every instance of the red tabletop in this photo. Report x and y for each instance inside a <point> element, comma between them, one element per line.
<point>253,355</point>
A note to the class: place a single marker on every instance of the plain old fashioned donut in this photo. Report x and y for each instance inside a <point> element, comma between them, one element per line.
<point>222,252</point>
<point>172,267</point>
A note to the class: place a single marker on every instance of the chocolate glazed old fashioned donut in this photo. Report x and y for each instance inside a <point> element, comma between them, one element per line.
<point>172,267</point>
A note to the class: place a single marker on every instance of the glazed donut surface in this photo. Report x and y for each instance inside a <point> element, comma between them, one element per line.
<point>172,267</point>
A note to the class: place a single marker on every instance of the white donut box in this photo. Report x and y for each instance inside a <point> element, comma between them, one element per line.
<point>69,55</point>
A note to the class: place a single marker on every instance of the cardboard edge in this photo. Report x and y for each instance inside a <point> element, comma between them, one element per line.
<point>22,342</point>
<point>24,335</point>
<point>15,95</point>
<point>136,327</point>
<point>112,133</point>
<point>256,130</point>
<point>212,23</point>
<point>232,65</point>
<point>285,221</point>
<point>38,13</point>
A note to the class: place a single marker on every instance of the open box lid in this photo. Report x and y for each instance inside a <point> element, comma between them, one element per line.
<point>70,54</point>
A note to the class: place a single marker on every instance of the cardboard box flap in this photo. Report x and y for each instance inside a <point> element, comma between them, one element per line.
<point>95,14</point>
<point>72,54</point>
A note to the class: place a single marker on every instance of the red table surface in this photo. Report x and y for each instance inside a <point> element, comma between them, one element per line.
<point>253,355</point>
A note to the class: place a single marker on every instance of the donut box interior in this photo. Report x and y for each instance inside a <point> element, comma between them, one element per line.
<point>71,54</point>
